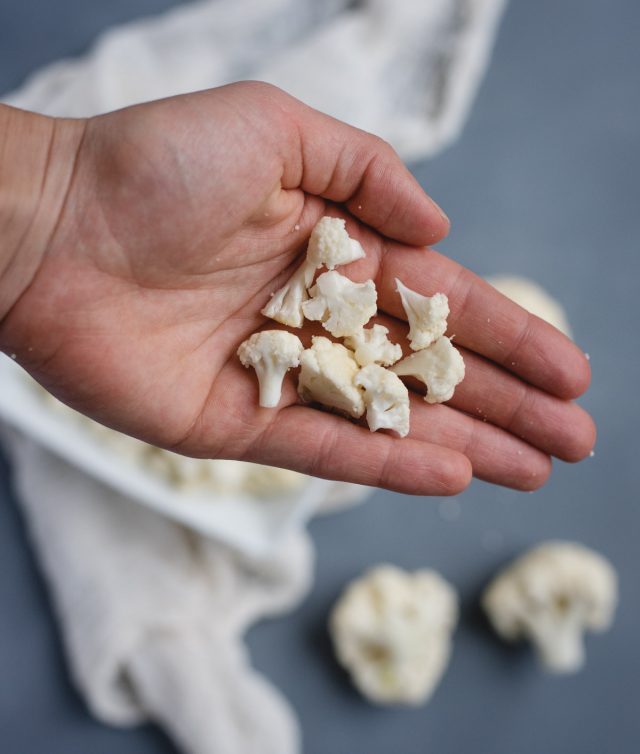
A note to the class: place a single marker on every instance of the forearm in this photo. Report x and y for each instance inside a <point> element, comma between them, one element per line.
<point>37,154</point>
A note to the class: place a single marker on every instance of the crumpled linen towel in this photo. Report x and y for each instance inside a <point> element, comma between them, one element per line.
<point>406,70</point>
<point>152,615</point>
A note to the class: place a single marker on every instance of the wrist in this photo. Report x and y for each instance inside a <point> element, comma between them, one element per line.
<point>37,157</point>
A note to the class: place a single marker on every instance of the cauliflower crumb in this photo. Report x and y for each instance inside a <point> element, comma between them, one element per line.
<point>392,631</point>
<point>342,306</point>
<point>328,376</point>
<point>427,315</point>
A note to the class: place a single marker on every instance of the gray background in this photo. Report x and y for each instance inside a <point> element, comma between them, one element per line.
<point>544,182</point>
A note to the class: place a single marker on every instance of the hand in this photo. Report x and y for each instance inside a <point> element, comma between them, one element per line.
<point>183,215</point>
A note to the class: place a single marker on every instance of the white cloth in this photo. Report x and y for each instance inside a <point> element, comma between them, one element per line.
<point>152,615</point>
<point>406,70</point>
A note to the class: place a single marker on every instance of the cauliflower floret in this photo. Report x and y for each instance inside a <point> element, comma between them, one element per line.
<point>552,595</point>
<point>328,376</point>
<point>271,353</point>
<point>533,298</point>
<point>392,631</point>
<point>386,398</point>
<point>372,346</point>
<point>330,244</point>
<point>427,315</point>
<point>440,366</point>
<point>285,305</point>
<point>343,307</point>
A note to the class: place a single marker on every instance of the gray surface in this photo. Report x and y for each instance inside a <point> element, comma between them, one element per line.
<point>544,182</point>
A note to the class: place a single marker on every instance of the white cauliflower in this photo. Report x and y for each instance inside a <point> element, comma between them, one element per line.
<point>342,306</point>
<point>427,315</point>
<point>533,298</point>
<point>386,398</point>
<point>271,353</point>
<point>392,631</point>
<point>330,244</point>
<point>440,366</point>
<point>372,346</point>
<point>551,595</point>
<point>285,305</point>
<point>327,376</point>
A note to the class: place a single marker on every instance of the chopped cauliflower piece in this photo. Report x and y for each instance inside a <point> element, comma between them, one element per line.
<point>386,398</point>
<point>328,376</point>
<point>372,346</point>
<point>330,244</point>
<point>271,353</point>
<point>392,631</point>
<point>551,595</point>
<point>285,305</point>
<point>342,306</point>
<point>427,315</point>
<point>533,298</point>
<point>440,366</point>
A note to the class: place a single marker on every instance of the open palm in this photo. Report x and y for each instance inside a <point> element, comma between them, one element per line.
<point>184,215</point>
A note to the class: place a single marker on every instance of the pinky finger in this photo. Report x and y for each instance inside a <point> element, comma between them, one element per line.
<point>321,444</point>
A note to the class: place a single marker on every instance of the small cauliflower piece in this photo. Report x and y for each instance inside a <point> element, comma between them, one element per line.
<point>285,305</point>
<point>427,315</point>
<point>343,307</point>
<point>372,346</point>
<point>533,298</point>
<point>330,244</point>
<point>271,353</point>
<point>386,398</point>
<point>551,595</point>
<point>440,366</point>
<point>328,376</point>
<point>392,631</point>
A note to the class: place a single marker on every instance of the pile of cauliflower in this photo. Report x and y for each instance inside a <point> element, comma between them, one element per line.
<point>186,475</point>
<point>362,374</point>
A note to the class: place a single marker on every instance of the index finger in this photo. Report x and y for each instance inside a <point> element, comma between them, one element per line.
<point>485,321</point>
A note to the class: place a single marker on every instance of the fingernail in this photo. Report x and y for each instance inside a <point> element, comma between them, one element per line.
<point>442,213</point>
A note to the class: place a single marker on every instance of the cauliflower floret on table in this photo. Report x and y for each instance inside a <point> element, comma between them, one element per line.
<point>427,315</point>
<point>551,595</point>
<point>440,366</point>
<point>271,353</point>
<point>386,398</point>
<point>372,346</point>
<point>533,298</point>
<point>327,375</point>
<point>343,307</point>
<point>392,631</point>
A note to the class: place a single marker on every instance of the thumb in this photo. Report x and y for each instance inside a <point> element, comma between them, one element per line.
<point>338,162</point>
